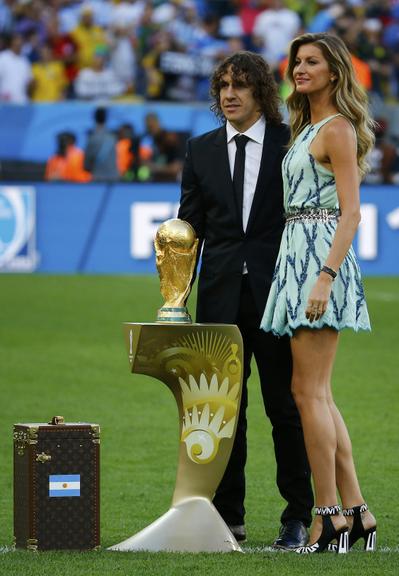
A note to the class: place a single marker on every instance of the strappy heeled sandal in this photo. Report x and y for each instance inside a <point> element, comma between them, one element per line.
<point>328,533</point>
<point>358,531</point>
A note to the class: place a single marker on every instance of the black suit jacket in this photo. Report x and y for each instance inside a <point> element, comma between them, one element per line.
<point>208,203</point>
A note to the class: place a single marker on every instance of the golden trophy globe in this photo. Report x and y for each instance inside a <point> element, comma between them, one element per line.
<point>202,366</point>
<point>176,250</point>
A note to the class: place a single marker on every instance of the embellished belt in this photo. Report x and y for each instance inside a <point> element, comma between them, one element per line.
<point>312,215</point>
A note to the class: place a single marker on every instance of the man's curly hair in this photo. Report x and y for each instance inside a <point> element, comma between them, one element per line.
<point>256,72</point>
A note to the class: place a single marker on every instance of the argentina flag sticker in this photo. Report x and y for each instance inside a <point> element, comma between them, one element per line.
<point>62,485</point>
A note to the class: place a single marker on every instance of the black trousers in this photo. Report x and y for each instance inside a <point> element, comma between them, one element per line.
<point>273,358</point>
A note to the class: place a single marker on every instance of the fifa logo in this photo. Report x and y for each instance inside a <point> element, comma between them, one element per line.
<point>17,229</point>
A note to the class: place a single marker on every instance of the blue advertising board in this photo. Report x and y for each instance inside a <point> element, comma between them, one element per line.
<point>109,229</point>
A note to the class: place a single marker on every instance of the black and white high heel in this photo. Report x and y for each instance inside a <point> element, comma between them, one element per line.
<point>328,533</point>
<point>358,531</point>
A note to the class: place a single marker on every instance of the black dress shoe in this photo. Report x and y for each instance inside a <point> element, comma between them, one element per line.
<point>238,532</point>
<point>292,535</point>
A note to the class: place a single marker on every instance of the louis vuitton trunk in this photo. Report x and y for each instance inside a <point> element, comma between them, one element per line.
<point>56,485</point>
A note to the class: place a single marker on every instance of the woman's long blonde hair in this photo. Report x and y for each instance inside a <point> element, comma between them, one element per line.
<point>347,95</point>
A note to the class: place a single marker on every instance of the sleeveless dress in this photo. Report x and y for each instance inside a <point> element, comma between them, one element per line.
<point>312,212</point>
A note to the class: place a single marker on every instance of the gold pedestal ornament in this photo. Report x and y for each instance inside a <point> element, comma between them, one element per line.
<point>202,366</point>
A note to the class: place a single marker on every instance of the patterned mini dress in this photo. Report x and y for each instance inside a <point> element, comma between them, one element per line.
<point>312,213</point>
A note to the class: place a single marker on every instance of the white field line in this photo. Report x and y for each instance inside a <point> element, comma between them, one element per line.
<point>255,550</point>
<point>382,296</point>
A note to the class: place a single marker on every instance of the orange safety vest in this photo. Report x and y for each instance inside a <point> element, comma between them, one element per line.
<point>124,156</point>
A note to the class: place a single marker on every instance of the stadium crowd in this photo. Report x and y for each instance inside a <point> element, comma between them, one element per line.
<point>164,50</point>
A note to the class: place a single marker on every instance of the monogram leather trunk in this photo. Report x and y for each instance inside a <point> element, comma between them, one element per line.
<point>56,485</point>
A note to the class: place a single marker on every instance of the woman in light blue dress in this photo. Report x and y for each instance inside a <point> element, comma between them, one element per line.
<point>317,289</point>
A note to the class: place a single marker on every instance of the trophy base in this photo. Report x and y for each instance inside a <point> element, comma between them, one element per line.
<point>193,525</point>
<point>178,315</point>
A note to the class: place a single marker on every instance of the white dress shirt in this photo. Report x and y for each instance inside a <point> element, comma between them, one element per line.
<point>253,156</point>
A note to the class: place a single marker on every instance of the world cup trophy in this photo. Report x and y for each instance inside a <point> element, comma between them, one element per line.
<point>176,250</point>
<point>202,366</point>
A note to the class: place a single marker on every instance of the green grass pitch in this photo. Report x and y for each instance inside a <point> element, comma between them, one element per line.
<point>62,352</point>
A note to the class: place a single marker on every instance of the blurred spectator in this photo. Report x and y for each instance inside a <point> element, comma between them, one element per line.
<point>274,29</point>
<point>75,170</point>
<point>127,152</point>
<point>67,164</point>
<point>29,19</point>
<point>49,78</point>
<point>100,152</point>
<point>171,63</point>
<point>161,160</point>
<point>209,42</point>
<point>369,47</point>
<point>327,11</point>
<point>391,28</point>
<point>164,11</point>
<point>390,38</point>
<point>163,81</point>
<point>69,15</point>
<point>65,50</point>
<point>127,13</point>
<point>209,49</point>
<point>98,81</point>
<point>362,71</point>
<point>102,10</point>
<point>88,36</point>
<point>377,8</point>
<point>149,80</point>
<point>31,46</point>
<point>348,26</point>
<point>186,27</point>
<point>383,159</point>
<point>6,17</point>
<point>248,10</point>
<point>123,61</point>
<point>15,74</point>
<point>306,9</point>
<point>56,164</point>
<point>172,54</point>
<point>221,8</point>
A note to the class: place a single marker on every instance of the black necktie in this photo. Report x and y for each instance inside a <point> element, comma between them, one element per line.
<point>239,167</point>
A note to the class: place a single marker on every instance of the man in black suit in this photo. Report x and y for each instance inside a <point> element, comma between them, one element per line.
<point>232,195</point>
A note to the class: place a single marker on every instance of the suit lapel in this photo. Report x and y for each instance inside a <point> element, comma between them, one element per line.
<point>269,154</point>
<point>222,166</point>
